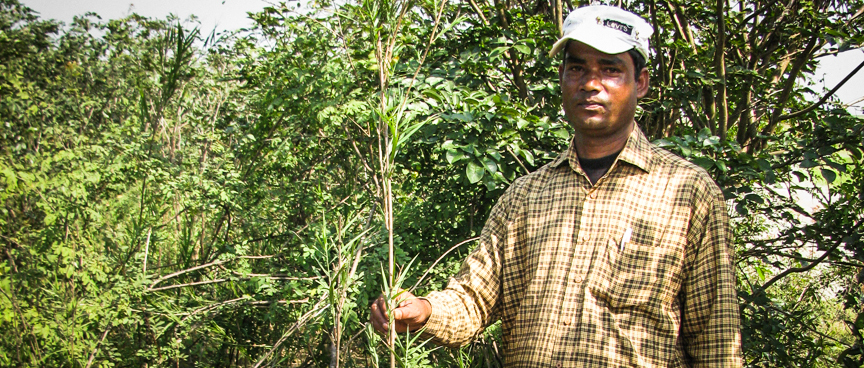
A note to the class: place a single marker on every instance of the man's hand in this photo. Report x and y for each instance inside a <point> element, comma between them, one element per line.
<point>410,313</point>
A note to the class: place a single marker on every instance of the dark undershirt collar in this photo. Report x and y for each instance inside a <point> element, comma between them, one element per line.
<point>595,168</point>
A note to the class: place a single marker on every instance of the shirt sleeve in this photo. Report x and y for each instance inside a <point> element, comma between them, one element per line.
<point>710,327</point>
<point>462,310</point>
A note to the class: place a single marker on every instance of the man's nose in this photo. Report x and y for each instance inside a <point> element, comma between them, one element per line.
<point>590,81</point>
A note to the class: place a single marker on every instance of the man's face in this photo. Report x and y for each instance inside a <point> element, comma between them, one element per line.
<point>599,91</point>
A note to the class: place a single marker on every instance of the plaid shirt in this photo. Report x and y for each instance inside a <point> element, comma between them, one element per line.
<point>555,265</point>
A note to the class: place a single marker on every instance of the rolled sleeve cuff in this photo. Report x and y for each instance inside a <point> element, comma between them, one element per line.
<point>436,322</point>
<point>436,328</point>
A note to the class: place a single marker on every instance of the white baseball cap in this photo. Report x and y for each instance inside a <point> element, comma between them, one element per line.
<point>608,29</point>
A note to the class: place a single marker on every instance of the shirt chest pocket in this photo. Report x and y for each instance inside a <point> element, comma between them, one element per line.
<point>634,272</point>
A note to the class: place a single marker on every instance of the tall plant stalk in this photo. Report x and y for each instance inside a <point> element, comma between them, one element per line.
<point>394,123</point>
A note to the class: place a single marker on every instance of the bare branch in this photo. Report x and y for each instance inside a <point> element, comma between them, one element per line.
<point>479,12</point>
<point>214,263</point>
<point>824,98</point>
<point>518,160</point>
<point>96,348</point>
<point>439,259</point>
<point>276,276</point>
<point>213,306</point>
<point>720,69</point>
<point>809,266</point>
<point>846,106</point>
<point>215,281</point>
<point>318,308</point>
<point>799,63</point>
<point>35,343</point>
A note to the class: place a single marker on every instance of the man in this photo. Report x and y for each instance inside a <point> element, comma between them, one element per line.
<point>615,254</point>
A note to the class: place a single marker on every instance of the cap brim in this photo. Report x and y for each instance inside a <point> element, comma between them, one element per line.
<point>596,37</point>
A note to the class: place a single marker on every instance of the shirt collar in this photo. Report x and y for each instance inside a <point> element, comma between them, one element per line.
<point>637,152</point>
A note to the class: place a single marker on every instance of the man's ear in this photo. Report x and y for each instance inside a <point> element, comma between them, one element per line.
<point>641,83</point>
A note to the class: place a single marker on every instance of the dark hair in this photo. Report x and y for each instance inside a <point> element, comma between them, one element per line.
<point>639,62</point>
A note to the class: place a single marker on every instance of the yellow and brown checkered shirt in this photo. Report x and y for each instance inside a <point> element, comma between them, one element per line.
<point>551,265</point>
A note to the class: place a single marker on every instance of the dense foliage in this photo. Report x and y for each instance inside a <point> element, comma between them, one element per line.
<point>176,200</point>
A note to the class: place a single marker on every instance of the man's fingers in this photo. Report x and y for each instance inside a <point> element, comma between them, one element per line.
<point>407,311</point>
<point>379,316</point>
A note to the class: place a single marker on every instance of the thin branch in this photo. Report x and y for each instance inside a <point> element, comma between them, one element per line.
<point>681,24</point>
<point>35,343</point>
<point>807,325</point>
<point>11,259</point>
<point>824,98</point>
<point>317,309</point>
<point>274,276</point>
<point>166,223</point>
<point>215,263</point>
<point>359,253</point>
<point>479,12</point>
<point>809,266</point>
<point>789,85</point>
<point>213,306</point>
<point>147,249</point>
<point>720,69</point>
<point>767,37</point>
<point>439,259</point>
<point>518,160</point>
<point>270,302</point>
<point>96,348</point>
<point>846,106</point>
<point>215,281</point>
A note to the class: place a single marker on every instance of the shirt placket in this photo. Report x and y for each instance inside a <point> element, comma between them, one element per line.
<point>585,206</point>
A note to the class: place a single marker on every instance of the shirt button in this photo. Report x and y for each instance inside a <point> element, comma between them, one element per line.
<point>593,195</point>
<point>558,365</point>
<point>578,279</point>
<point>567,322</point>
<point>585,238</point>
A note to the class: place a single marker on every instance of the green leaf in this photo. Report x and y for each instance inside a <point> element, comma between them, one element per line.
<point>490,184</point>
<point>11,179</point>
<point>741,208</point>
<point>770,177</point>
<point>711,141</point>
<point>703,162</point>
<point>800,176</point>
<point>523,49</point>
<point>454,155</point>
<point>431,81</point>
<point>528,156</point>
<point>561,133</point>
<point>808,163</point>
<point>474,171</point>
<point>490,165</point>
<point>497,51</point>
<point>836,166</point>
<point>464,117</point>
<point>753,197</point>
<point>829,175</point>
<point>663,143</point>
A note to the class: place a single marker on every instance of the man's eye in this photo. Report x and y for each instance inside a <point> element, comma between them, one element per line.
<point>612,70</point>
